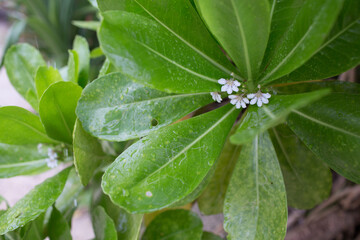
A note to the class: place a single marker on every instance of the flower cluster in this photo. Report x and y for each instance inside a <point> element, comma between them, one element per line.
<point>241,100</point>
<point>52,160</point>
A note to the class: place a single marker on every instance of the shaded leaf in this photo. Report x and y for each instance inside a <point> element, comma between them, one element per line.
<point>104,226</point>
<point>34,230</point>
<point>331,129</point>
<point>308,181</point>
<point>258,120</point>
<point>57,110</point>
<point>255,204</point>
<point>158,171</point>
<point>34,203</point>
<point>210,236</point>
<point>89,25</point>
<point>73,67</point>
<point>175,225</point>
<point>19,126</point>
<point>45,76</point>
<point>81,47</point>
<point>58,227</point>
<point>110,104</point>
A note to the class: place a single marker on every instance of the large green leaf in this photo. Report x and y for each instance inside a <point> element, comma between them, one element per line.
<point>19,126</point>
<point>131,42</point>
<point>57,110</point>
<point>109,106</point>
<point>58,228</point>
<point>104,226</point>
<point>331,129</point>
<point>210,236</point>
<point>127,225</point>
<point>81,47</point>
<point>88,154</point>
<point>21,63</point>
<point>34,203</point>
<point>339,52</point>
<point>158,170</point>
<point>255,204</point>
<point>45,76</point>
<point>22,160</point>
<point>34,230</point>
<point>211,200</point>
<point>174,225</point>
<point>258,120</point>
<point>182,21</point>
<point>295,43</point>
<point>307,180</point>
<point>242,27</point>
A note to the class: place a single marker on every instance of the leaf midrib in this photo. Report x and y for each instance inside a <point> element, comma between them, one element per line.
<point>12,165</point>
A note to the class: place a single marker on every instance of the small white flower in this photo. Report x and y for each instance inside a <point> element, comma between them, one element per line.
<point>51,162</point>
<point>216,96</point>
<point>259,98</point>
<point>229,86</point>
<point>148,194</point>
<point>239,101</point>
<point>39,147</point>
<point>52,154</point>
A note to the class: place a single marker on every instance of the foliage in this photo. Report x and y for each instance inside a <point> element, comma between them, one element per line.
<point>146,135</point>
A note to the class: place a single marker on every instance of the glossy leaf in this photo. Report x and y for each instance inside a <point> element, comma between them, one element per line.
<point>110,104</point>
<point>158,171</point>
<point>331,129</point>
<point>258,120</point>
<point>300,40</point>
<point>57,110</point>
<point>255,204</point>
<point>34,230</point>
<point>307,180</point>
<point>89,25</point>
<point>210,236</point>
<point>211,200</point>
<point>21,63</point>
<point>45,76</point>
<point>339,52</point>
<point>88,154</point>
<point>34,203</point>
<point>81,47</point>
<point>58,227</point>
<point>174,225</point>
<point>242,28</point>
<point>127,225</point>
<point>104,226</point>
<point>19,126</point>
<point>73,67</point>
<point>130,41</point>
<point>22,160</point>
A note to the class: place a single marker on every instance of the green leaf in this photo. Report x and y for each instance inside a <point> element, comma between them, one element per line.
<point>130,41</point>
<point>109,105</point>
<point>307,180</point>
<point>73,67</point>
<point>255,204</point>
<point>45,76</point>
<point>89,25</point>
<point>338,53</point>
<point>34,203</point>
<point>331,129</point>
<point>293,44</point>
<point>34,230</point>
<point>242,28</point>
<point>210,236</point>
<point>158,171</point>
<point>258,120</point>
<point>22,160</point>
<point>211,200</point>
<point>96,52</point>
<point>57,110</point>
<point>88,154</point>
<point>19,126</point>
<point>58,227</point>
<point>104,226</point>
<point>127,225</point>
<point>176,224</point>
<point>21,63</point>
<point>81,47</point>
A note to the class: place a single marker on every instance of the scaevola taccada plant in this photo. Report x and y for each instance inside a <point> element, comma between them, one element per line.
<point>274,131</point>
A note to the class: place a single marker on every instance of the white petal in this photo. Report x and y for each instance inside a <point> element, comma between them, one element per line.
<point>236,83</point>
<point>233,101</point>
<point>243,104</point>
<point>253,101</point>
<point>259,102</point>
<point>224,88</point>
<point>238,105</point>
<point>218,99</point>
<point>267,95</point>
<point>235,89</point>
<point>251,95</point>
<point>264,100</point>
<point>246,100</point>
<point>229,90</point>
<point>222,81</point>
<point>232,96</point>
